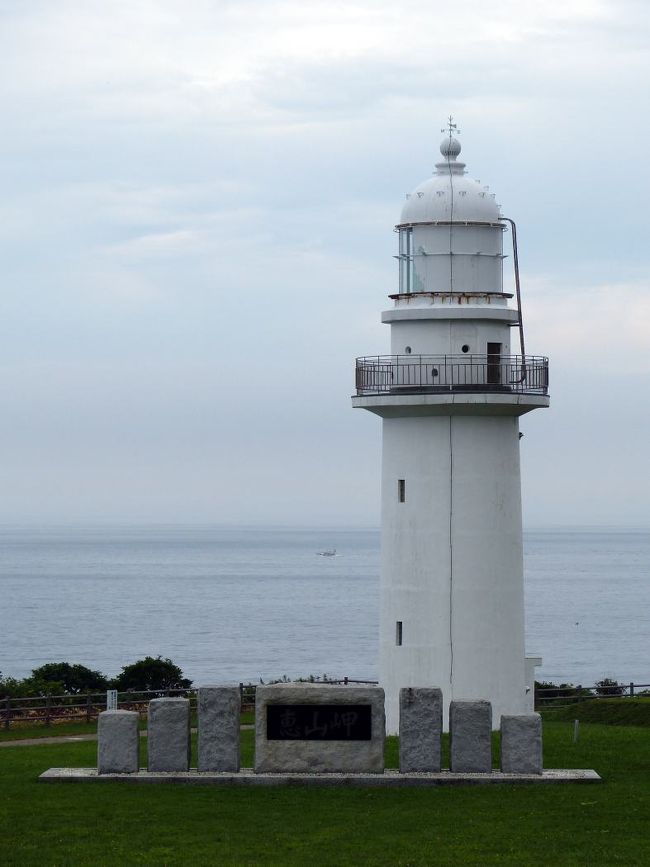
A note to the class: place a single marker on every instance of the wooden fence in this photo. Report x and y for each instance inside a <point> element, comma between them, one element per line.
<point>51,709</point>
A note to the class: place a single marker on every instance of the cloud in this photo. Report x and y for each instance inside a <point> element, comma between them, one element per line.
<point>253,62</point>
<point>196,236</point>
<point>585,327</point>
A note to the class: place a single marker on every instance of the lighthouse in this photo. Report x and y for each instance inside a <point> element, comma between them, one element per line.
<point>450,395</point>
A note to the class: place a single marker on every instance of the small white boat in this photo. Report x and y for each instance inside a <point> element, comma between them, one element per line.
<point>331,552</point>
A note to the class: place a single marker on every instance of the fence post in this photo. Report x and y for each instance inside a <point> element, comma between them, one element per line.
<point>631,690</point>
<point>89,708</point>
<point>7,712</point>
<point>48,709</point>
<point>241,694</point>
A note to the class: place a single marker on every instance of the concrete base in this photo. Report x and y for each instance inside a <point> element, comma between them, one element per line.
<point>389,779</point>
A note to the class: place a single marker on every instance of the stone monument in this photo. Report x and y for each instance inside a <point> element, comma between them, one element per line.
<point>319,728</point>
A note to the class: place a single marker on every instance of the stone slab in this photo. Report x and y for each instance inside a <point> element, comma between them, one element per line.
<point>389,779</point>
<point>168,738</point>
<point>219,709</point>
<point>420,729</point>
<point>117,742</point>
<point>321,756</point>
<point>521,744</point>
<point>470,737</point>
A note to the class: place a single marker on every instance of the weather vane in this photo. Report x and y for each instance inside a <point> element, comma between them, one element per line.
<point>451,127</point>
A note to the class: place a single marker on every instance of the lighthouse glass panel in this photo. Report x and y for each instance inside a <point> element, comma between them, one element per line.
<point>405,259</point>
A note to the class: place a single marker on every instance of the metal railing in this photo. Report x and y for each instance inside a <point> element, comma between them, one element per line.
<point>403,374</point>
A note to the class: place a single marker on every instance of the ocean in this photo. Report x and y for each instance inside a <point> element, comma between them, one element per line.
<point>240,604</point>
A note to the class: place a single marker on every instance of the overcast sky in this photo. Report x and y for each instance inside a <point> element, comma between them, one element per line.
<point>196,213</point>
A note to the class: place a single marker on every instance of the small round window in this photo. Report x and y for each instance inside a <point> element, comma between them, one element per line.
<point>407,350</point>
<point>465,347</point>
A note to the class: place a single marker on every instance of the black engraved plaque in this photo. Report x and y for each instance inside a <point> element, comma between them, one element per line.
<point>318,722</point>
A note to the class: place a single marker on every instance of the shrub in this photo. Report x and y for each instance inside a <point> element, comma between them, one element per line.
<point>71,678</point>
<point>29,687</point>
<point>151,674</point>
<point>552,694</point>
<point>610,687</point>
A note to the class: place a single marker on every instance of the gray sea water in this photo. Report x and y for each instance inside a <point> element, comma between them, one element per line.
<point>231,604</point>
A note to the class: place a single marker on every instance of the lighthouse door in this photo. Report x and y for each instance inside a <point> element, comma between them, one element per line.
<point>494,363</point>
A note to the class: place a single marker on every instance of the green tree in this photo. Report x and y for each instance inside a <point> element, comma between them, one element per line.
<point>73,678</point>
<point>151,674</point>
<point>29,687</point>
<point>8,686</point>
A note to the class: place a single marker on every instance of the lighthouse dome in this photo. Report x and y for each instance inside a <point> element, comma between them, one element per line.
<point>449,195</point>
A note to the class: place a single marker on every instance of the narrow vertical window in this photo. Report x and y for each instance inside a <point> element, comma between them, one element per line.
<point>494,363</point>
<point>409,253</point>
<point>398,633</point>
<point>405,258</point>
<point>401,490</point>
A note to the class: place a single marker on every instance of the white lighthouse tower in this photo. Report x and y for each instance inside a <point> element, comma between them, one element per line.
<point>450,395</point>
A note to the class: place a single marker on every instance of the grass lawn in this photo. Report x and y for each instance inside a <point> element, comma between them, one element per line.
<point>67,824</point>
<point>20,731</point>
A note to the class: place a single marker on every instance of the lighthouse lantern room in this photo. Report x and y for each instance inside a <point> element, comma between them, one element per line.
<point>450,395</point>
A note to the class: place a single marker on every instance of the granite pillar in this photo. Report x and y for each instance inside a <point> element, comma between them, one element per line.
<point>521,744</point>
<point>117,742</point>
<point>420,728</point>
<point>470,737</point>
<point>169,734</point>
<point>219,709</point>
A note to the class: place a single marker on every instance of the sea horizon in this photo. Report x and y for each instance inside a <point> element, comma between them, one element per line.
<point>237,603</point>
<point>114,522</point>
